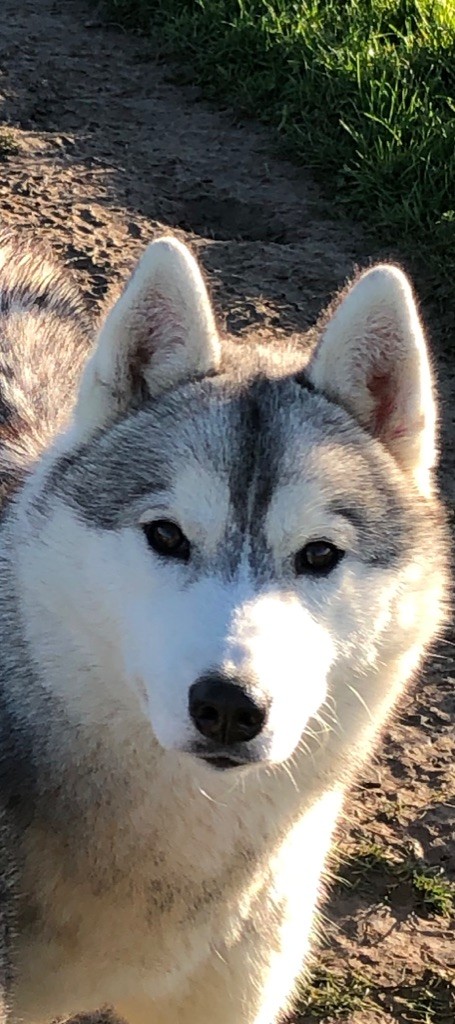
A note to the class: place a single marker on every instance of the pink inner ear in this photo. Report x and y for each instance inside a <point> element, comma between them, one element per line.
<point>385,424</point>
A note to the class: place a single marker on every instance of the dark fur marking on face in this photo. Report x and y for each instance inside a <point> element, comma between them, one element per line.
<point>252,470</point>
<point>353,515</point>
<point>104,479</point>
<point>59,470</point>
<point>244,465</point>
<point>373,546</point>
<point>99,489</point>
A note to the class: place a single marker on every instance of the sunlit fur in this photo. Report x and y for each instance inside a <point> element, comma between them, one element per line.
<point>145,878</point>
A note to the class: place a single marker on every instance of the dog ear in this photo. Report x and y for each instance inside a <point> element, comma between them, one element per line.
<point>159,333</point>
<point>372,358</point>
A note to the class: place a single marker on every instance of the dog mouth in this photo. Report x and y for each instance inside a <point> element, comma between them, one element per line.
<point>221,760</point>
<point>223,763</point>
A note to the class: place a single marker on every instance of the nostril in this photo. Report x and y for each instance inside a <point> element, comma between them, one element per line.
<point>208,719</point>
<point>250,721</point>
<point>209,712</point>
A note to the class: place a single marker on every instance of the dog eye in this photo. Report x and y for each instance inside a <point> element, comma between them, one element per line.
<point>166,538</point>
<point>317,558</point>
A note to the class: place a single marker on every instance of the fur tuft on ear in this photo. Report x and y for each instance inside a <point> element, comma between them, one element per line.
<point>372,358</point>
<point>159,333</point>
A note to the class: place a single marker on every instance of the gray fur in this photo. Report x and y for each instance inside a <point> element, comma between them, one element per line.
<point>255,425</point>
<point>45,332</point>
<point>262,418</point>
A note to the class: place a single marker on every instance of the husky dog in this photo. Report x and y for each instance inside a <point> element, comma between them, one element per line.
<point>221,563</point>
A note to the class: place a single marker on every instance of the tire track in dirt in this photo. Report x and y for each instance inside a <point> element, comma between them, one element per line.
<point>110,152</point>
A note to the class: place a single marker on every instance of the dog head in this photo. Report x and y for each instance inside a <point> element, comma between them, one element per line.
<point>240,542</point>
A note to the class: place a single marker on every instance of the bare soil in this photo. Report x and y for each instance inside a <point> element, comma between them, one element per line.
<point>102,150</point>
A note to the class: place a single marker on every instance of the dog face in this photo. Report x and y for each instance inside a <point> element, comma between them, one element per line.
<point>239,550</point>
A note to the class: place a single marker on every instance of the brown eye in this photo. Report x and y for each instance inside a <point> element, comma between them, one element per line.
<point>166,538</point>
<point>317,558</point>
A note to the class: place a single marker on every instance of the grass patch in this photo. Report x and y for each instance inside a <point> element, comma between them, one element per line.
<point>8,144</point>
<point>370,868</point>
<point>433,892</point>
<point>361,91</point>
<point>328,993</point>
<point>426,1000</point>
<point>332,995</point>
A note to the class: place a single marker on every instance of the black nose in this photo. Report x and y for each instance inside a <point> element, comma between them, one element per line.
<point>222,711</point>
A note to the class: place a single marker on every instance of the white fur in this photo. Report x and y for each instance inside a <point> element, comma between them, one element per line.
<point>162,324</point>
<point>180,895</point>
<point>148,637</point>
<point>373,358</point>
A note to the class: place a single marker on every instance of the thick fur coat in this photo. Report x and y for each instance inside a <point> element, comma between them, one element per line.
<point>221,564</point>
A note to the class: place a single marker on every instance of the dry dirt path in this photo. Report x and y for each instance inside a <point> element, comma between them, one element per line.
<point>109,152</point>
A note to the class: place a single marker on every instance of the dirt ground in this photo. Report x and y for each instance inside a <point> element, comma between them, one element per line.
<point>105,151</point>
